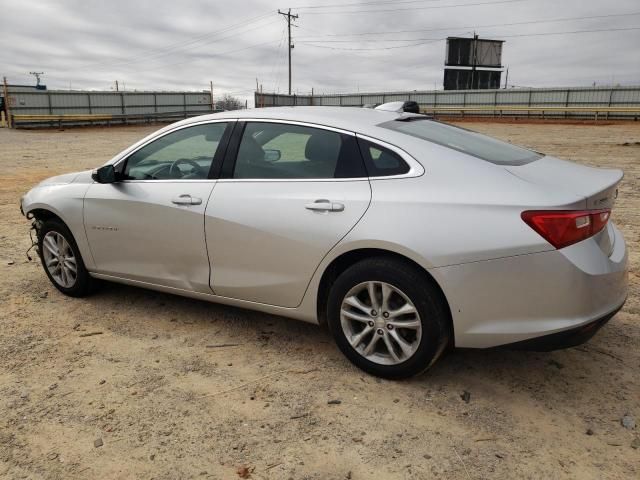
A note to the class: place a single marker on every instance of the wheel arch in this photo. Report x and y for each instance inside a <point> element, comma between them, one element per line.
<point>349,258</point>
<point>44,214</point>
<point>40,215</point>
<point>46,221</point>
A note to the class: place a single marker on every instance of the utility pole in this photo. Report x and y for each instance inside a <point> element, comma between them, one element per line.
<point>117,86</point>
<point>37,75</point>
<point>288,16</point>
<point>7,103</point>
<point>506,78</point>
<point>213,104</point>
<point>474,58</point>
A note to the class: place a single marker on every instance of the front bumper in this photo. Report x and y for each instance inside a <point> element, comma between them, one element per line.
<point>519,298</point>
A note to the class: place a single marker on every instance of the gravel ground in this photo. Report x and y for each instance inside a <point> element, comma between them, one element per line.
<point>147,397</point>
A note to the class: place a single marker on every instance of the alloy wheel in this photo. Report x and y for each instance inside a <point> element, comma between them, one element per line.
<point>381,323</point>
<point>59,259</point>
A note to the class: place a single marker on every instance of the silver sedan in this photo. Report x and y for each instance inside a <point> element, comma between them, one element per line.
<point>403,235</point>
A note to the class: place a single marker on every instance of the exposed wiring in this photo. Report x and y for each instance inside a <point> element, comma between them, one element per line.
<point>35,227</point>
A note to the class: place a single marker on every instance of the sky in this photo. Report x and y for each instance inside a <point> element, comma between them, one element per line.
<point>348,46</point>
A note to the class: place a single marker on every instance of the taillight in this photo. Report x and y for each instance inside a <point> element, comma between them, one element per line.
<point>562,228</point>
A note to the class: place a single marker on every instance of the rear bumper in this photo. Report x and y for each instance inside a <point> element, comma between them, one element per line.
<point>564,339</point>
<point>508,301</point>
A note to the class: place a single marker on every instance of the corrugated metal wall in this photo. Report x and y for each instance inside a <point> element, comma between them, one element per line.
<point>539,97</point>
<point>60,102</point>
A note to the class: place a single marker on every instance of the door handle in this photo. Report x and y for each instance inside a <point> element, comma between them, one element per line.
<point>323,205</point>
<point>186,199</point>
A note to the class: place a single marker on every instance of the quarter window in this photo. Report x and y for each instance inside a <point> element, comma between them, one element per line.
<point>380,161</point>
<point>185,154</point>
<point>285,151</point>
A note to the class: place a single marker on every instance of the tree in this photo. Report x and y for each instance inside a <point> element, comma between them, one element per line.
<point>229,102</point>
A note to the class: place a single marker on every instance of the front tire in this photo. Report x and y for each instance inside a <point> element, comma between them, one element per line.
<point>62,261</point>
<point>388,318</point>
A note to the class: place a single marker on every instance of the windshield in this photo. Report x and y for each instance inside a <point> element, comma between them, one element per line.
<point>465,141</point>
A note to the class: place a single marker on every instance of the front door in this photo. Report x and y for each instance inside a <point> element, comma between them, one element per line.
<point>292,193</point>
<point>149,226</point>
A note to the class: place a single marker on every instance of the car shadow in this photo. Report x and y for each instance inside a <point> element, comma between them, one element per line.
<point>458,367</point>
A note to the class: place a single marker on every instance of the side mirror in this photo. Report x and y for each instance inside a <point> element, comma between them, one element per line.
<point>104,174</point>
<point>271,155</point>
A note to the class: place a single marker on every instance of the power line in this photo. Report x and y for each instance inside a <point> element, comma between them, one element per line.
<point>211,55</point>
<point>157,57</point>
<point>276,63</point>
<point>530,22</point>
<point>281,61</point>
<point>494,2</point>
<point>571,32</point>
<point>159,51</point>
<point>361,4</point>
<point>183,49</point>
<point>427,40</point>
<point>430,40</point>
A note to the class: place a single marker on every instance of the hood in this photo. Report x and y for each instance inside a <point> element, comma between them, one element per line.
<point>67,178</point>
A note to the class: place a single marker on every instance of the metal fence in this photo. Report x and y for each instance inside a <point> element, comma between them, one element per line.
<point>33,107</point>
<point>612,102</point>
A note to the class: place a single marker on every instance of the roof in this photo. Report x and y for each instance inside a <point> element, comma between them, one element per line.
<point>354,119</point>
<point>364,121</point>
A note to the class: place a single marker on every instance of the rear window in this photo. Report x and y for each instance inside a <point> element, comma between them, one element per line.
<point>465,141</point>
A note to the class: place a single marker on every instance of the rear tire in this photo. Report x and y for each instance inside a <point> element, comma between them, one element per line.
<point>398,335</point>
<point>62,261</point>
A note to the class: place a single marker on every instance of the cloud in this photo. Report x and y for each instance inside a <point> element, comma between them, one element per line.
<point>166,45</point>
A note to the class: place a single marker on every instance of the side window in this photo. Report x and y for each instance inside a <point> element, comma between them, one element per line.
<point>284,151</point>
<point>184,154</point>
<point>380,161</point>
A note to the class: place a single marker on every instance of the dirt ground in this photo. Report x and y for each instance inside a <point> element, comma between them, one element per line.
<point>147,398</point>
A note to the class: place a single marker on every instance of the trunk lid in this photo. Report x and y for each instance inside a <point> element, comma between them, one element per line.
<point>598,186</point>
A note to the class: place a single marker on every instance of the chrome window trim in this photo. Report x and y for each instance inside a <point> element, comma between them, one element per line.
<point>415,168</point>
<point>295,122</point>
<point>127,153</point>
<point>280,180</point>
<point>170,180</point>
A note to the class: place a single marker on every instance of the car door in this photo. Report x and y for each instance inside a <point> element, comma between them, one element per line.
<point>288,193</point>
<point>149,225</point>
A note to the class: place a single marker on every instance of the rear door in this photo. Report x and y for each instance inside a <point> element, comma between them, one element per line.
<point>288,193</point>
